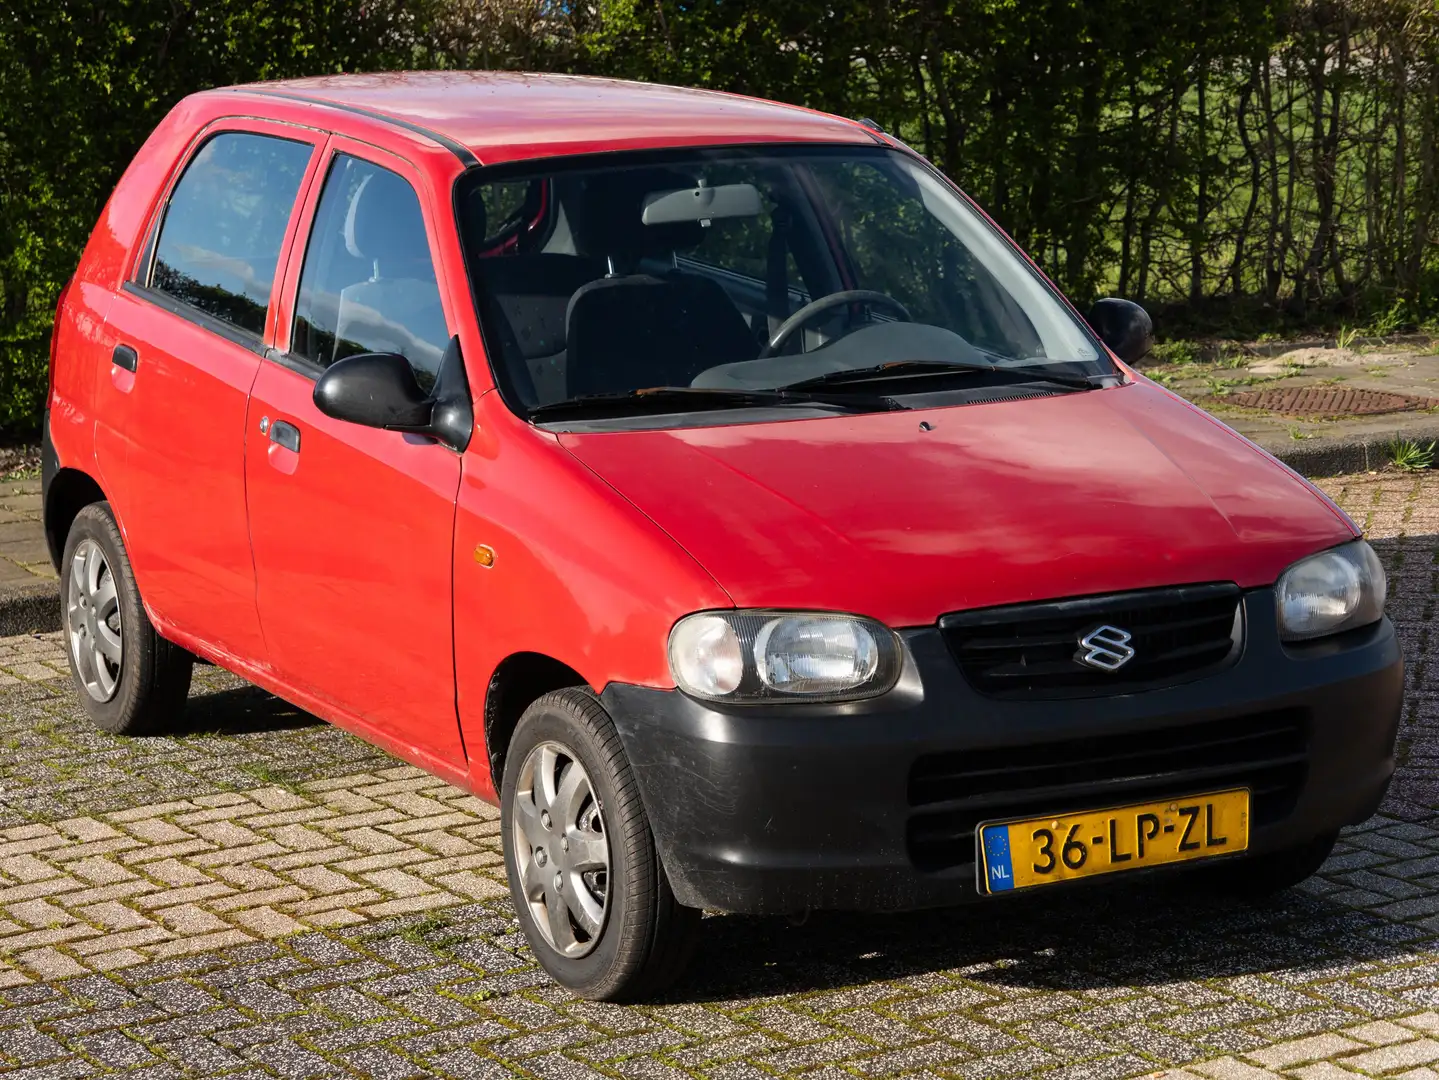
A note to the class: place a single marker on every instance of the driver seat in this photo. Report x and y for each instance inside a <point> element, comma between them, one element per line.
<point>638,331</point>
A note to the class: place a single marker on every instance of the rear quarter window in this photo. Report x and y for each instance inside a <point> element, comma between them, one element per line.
<point>220,238</point>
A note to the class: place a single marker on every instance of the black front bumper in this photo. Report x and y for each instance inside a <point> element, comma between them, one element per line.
<point>872,806</point>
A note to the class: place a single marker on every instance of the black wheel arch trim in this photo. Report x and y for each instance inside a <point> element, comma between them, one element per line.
<point>49,467</point>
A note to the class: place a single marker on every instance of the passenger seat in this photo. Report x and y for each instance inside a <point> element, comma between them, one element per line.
<point>527,297</point>
<point>384,228</point>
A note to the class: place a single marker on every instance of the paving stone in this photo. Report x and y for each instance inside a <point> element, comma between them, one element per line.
<point>382,1064</point>
<point>1231,1069</point>
<point>292,1061</point>
<point>115,1050</point>
<point>1379,1033</point>
<point>1395,1057</point>
<point>1314,1048</point>
<point>1325,1070</point>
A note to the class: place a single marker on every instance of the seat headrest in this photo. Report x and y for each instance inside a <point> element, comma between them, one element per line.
<point>384,222</point>
<point>611,208</point>
<point>637,331</point>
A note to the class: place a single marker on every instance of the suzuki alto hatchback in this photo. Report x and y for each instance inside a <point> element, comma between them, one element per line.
<point>709,483</point>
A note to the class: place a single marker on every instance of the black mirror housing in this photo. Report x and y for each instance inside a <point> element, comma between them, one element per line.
<point>374,390</point>
<point>380,390</point>
<point>1124,326</point>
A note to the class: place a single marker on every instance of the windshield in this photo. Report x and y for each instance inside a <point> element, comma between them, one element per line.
<point>746,270</point>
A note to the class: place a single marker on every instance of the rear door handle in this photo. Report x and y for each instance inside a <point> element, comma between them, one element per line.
<point>286,435</point>
<point>125,357</point>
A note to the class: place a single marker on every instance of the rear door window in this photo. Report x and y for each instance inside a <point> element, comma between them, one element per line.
<point>368,283</point>
<point>220,240</point>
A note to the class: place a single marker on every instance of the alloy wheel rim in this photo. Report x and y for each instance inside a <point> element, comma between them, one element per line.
<point>92,608</point>
<point>562,850</point>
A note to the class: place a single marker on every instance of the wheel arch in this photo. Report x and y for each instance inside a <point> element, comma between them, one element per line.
<point>68,492</point>
<point>518,681</point>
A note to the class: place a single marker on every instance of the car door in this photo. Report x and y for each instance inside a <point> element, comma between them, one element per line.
<point>352,527</point>
<point>188,333</point>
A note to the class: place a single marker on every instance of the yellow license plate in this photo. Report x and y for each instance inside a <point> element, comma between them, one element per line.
<point>1041,851</point>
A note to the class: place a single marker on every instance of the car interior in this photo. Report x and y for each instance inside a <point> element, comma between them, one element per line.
<point>595,301</point>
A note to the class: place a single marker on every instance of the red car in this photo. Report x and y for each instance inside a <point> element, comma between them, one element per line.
<point>708,482</point>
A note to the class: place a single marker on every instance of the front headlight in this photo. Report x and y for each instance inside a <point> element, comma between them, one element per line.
<point>1339,589</point>
<point>753,656</point>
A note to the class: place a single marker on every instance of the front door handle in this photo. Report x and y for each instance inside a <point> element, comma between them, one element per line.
<point>125,357</point>
<point>286,435</point>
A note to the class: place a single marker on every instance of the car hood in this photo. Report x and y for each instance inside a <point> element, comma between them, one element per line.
<point>907,515</point>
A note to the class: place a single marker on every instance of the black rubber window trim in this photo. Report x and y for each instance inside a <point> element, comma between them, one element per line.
<point>461,151</point>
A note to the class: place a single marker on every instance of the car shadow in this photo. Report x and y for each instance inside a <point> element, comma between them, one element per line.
<point>1086,939</point>
<point>241,709</point>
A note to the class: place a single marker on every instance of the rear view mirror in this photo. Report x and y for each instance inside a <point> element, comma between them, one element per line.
<point>1124,326</point>
<point>702,203</point>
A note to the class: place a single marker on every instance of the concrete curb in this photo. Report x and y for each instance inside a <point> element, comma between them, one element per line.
<point>1211,350</point>
<point>1355,453</point>
<point>30,608</point>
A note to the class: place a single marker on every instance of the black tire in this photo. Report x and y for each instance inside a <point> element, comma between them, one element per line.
<point>1255,877</point>
<point>153,677</point>
<point>646,938</point>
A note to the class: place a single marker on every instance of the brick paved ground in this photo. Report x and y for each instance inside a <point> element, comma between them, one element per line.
<point>23,555</point>
<point>262,895</point>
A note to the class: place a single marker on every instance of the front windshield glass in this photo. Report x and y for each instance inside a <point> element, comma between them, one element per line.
<point>746,270</point>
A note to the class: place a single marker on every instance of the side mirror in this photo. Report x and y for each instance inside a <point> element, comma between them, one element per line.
<point>1124,326</point>
<point>375,390</point>
<point>379,390</point>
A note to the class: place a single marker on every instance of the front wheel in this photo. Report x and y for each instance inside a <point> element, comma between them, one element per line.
<point>586,879</point>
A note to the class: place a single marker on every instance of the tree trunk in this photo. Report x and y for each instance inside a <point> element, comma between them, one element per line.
<point>1131,187</point>
<point>1251,151</point>
<point>1201,199</point>
<point>1273,271</point>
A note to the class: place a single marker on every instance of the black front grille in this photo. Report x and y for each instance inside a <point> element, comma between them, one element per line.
<point>1032,650</point>
<point>953,792</point>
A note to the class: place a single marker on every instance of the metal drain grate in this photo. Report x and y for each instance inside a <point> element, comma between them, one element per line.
<point>1328,401</point>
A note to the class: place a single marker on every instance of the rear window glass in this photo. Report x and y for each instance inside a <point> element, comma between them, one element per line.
<point>220,240</point>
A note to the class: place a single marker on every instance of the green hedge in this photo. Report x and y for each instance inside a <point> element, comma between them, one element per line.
<point>1241,165</point>
<point>83,82</point>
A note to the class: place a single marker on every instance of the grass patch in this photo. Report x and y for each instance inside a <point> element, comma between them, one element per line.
<point>266,775</point>
<point>1177,352</point>
<point>433,931</point>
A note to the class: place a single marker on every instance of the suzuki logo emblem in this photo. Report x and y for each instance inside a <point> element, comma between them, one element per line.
<point>1106,648</point>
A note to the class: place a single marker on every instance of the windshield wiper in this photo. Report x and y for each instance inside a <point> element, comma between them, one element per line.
<point>901,368</point>
<point>663,399</point>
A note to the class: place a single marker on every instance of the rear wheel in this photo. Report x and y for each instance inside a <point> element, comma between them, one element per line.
<point>1254,877</point>
<point>586,879</point>
<point>131,680</point>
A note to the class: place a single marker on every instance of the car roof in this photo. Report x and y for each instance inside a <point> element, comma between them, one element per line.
<point>509,116</point>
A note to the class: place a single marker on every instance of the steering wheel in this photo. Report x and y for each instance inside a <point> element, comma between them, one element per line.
<point>824,303</point>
